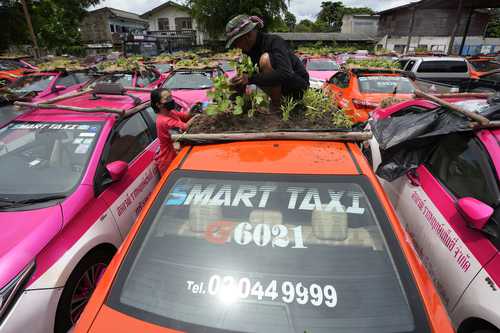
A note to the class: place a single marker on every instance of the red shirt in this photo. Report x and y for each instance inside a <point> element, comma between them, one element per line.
<point>163,126</point>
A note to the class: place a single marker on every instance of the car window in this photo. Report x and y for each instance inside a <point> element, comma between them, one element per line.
<point>402,63</point>
<point>124,79</point>
<point>322,65</point>
<point>260,254</point>
<point>384,84</point>
<point>443,66</point>
<point>485,66</point>
<point>149,112</point>
<point>410,64</point>
<point>146,78</point>
<point>66,80</point>
<point>44,158</point>
<point>130,140</point>
<point>189,80</point>
<point>461,164</point>
<point>341,80</point>
<point>31,83</point>
<point>82,77</point>
<point>163,68</point>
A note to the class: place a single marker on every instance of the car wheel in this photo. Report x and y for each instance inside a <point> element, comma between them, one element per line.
<point>79,288</point>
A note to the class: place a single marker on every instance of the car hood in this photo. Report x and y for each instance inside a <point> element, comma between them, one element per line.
<point>24,234</point>
<point>321,75</point>
<point>192,96</point>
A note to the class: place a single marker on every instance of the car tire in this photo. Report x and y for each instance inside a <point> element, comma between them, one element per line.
<point>79,288</point>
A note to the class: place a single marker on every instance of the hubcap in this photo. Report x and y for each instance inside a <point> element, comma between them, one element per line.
<point>84,289</point>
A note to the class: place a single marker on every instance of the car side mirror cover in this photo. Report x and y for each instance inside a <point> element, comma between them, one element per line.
<point>58,87</point>
<point>475,212</point>
<point>117,170</point>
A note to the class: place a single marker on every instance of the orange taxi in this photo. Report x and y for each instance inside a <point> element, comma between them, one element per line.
<point>271,236</point>
<point>13,68</point>
<point>478,66</point>
<point>361,90</point>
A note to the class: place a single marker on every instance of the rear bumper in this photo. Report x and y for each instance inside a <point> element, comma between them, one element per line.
<point>34,312</point>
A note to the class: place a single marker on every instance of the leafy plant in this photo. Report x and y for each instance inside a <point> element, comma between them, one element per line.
<point>245,66</point>
<point>220,96</point>
<point>316,103</point>
<point>287,106</point>
<point>258,100</point>
<point>376,63</point>
<point>61,64</point>
<point>340,119</point>
<point>132,64</point>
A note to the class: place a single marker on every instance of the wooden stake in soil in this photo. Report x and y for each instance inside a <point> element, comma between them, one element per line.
<point>472,115</point>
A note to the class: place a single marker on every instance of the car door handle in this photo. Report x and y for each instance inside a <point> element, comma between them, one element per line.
<point>413,177</point>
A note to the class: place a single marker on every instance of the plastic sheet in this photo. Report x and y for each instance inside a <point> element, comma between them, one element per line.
<point>408,138</point>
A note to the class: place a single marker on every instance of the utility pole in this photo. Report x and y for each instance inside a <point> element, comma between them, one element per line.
<point>30,27</point>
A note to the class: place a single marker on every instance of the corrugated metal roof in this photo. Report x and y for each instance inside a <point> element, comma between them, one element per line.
<point>325,36</point>
<point>165,5</point>
<point>126,15</point>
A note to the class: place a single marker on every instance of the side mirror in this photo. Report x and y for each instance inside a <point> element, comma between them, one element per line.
<point>58,87</point>
<point>475,212</point>
<point>117,170</point>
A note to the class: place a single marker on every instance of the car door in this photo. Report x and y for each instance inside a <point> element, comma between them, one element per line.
<point>133,143</point>
<point>452,252</point>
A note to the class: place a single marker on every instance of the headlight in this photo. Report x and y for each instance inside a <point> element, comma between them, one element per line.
<point>10,291</point>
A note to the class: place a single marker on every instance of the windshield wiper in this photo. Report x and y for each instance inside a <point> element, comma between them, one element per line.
<point>12,203</point>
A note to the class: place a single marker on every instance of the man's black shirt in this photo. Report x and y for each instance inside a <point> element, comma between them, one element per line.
<point>289,71</point>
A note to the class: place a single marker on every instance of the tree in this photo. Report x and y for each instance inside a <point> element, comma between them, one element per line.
<point>331,13</point>
<point>493,29</point>
<point>290,21</point>
<point>214,14</point>
<point>357,11</point>
<point>55,22</point>
<point>305,26</point>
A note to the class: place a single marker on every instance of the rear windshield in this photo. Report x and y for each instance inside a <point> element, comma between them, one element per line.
<point>485,66</point>
<point>226,66</point>
<point>385,84</point>
<point>124,79</point>
<point>232,253</point>
<point>163,68</point>
<point>443,66</point>
<point>322,65</point>
<point>189,80</point>
<point>36,83</point>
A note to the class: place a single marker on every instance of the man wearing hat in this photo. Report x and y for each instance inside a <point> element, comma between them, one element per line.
<point>282,74</point>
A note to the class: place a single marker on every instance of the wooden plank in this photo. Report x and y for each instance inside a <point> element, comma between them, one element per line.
<point>306,136</point>
<point>69,108</point>
<point>472,115</point>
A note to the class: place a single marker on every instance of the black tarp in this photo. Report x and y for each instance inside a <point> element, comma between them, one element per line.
<point>408,138</point>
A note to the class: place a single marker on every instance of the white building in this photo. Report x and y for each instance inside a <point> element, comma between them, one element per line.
<point>173,17</point>
<point>360,24</point>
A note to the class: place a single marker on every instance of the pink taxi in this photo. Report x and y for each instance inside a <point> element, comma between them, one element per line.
<point>43,85</point>
<point>73,178</point>
<point>192,85</point>
<point>320,70</point>
<point>450,206</point>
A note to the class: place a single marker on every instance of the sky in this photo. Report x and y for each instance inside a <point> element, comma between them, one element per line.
<point>302,9</point>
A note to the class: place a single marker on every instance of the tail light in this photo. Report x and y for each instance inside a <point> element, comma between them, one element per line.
<point>362,104</point>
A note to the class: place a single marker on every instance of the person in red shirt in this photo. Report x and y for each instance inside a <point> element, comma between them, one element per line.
<point>168,118</point>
